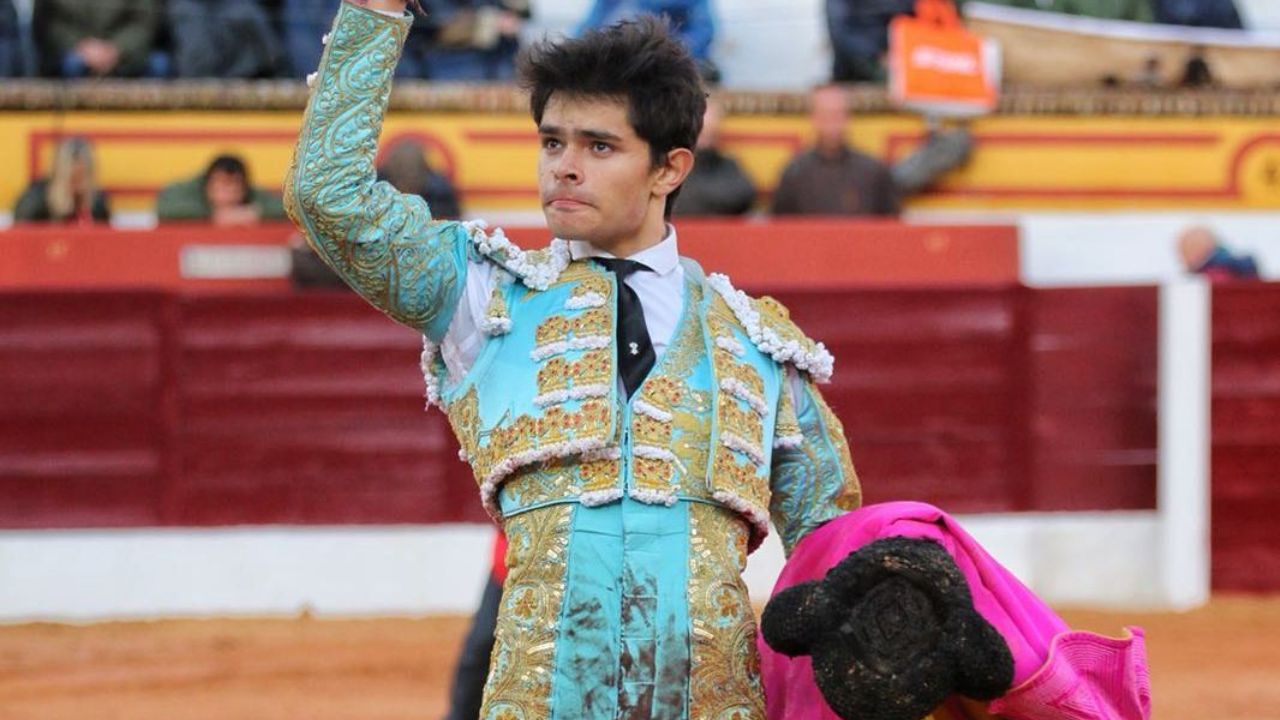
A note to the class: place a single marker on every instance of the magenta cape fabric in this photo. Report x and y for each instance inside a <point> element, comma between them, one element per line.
<point>1091,677</point>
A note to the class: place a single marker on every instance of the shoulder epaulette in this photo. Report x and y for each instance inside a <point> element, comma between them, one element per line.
<point>768,324</point>
<point>538,269</point>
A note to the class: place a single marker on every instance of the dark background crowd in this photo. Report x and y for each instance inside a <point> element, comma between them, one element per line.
<point>457,40</point>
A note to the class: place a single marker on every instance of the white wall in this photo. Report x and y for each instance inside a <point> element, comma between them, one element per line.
<point>760,44</point>
<point>1095,559</point>
<point>1259,14</point>
<point>1092,248</point>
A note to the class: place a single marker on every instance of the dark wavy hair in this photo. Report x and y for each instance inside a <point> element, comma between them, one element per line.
<point>637,60</point>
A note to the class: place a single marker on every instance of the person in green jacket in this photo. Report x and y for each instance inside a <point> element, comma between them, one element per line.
<point>96,39</point>
<point>222,194</point>
<point>1138,10</point>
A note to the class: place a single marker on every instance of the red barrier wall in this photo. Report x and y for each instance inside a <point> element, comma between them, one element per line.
<point>791,253</point>
<point>164,409</point>
<point>1246,436</point>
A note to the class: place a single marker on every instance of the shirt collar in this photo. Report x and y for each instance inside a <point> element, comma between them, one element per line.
<point>661,258</point>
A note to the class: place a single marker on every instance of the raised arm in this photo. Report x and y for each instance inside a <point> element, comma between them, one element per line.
<point>383,243</point>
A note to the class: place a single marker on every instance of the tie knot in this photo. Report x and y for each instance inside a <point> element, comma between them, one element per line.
<point>621,266</point>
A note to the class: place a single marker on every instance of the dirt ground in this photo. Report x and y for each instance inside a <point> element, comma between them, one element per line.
<point>1221,662</point>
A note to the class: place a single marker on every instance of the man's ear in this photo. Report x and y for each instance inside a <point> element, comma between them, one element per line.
<point>668,176</point>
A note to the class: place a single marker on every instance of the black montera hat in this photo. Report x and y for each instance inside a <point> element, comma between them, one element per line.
<point>892,631</point>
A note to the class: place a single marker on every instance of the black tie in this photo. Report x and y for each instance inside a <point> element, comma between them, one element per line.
<point>635,352</point>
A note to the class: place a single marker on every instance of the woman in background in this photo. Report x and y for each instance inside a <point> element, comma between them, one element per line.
<point>69,194</point>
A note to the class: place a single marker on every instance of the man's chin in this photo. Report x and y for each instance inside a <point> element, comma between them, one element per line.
<point>568,230</point>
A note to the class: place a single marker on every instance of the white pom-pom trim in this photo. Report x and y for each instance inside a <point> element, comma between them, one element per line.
<point>489,486</point>
<point>576,393</point>
<point>653,452</point>
<point>605,453</point>
<point>582,302</point>
<point>819,363</point>
<point>750,449</point>
<point>560,347</point>
<point>739,389</point>
<point>653,497</point>
<point>757,518</point>
<point>788,442</point>
<point>495,325</point>
<point>731,344</point>
<point>535,274</point>
<point>652,411</point>
<point>596,498</point>
<point>311,79</point>
<point>426,362</point>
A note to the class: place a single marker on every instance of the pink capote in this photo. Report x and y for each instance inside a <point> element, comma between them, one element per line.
<point>1057,675</point>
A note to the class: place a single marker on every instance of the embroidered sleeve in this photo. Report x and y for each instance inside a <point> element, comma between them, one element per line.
<point>384,244</point>
<point>813,479</point>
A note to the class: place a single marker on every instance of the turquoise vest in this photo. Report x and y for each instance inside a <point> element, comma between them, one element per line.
<point>541,421</point>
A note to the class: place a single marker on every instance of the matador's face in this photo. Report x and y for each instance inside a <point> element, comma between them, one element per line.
<point>596,178</point>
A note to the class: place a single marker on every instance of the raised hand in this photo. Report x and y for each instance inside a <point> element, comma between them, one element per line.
<point>396,6</point>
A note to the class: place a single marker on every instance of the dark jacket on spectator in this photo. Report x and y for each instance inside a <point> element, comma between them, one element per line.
<point>33,205</point>
<point>1138,10</point>
<point>717,186</point>
<point>222,39</point>
<point>14,43</point>
<point>130,24</point>
<point>1198,13</point>
<point>1223,265</point>
<point>851,183</point>
<point>859,33</point>
<point>185,201</point>
<point>692,19</point>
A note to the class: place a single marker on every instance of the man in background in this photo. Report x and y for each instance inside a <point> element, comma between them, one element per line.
<point>1203,254</point>
<point>717,185</point>
<point>98,39</point>
<point>222,195</point>
<point>832,178</point>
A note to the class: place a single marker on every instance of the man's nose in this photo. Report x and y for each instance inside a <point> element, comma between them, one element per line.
<point>566,167</point>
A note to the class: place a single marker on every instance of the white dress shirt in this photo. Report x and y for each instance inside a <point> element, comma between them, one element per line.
<point>661,291</point>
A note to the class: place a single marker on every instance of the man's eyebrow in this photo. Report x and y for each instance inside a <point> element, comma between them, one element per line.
<point>587,133</point>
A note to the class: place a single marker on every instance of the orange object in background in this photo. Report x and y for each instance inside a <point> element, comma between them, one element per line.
<point>936,66</point>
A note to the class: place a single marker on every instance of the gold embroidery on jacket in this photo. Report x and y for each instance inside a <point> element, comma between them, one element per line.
<point>740,468</point>
<point>520,672</point>
<point>724,680</point>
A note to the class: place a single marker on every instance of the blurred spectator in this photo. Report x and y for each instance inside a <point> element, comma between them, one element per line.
<point>16,55</point>
<point>1203,254</point>
<point>405,167</point>
<point>98,38</point>
<point>222,194</point>
<point>717,185</point>
<point>859,33</point>
<point>1198,13</point>
<point>473,40</point>
<point>1196,73</point>
<point>943,150</point>
<point>1152,76</point>
<point>305,22</point>
<point>1138,10</point>
<point>69,194</point>
<point>832,178</point>
<point>222,39</point>
<point>691,19</point>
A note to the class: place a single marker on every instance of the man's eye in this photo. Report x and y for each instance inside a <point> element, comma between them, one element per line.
<point>601,147</point>
<point>550,143</point>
